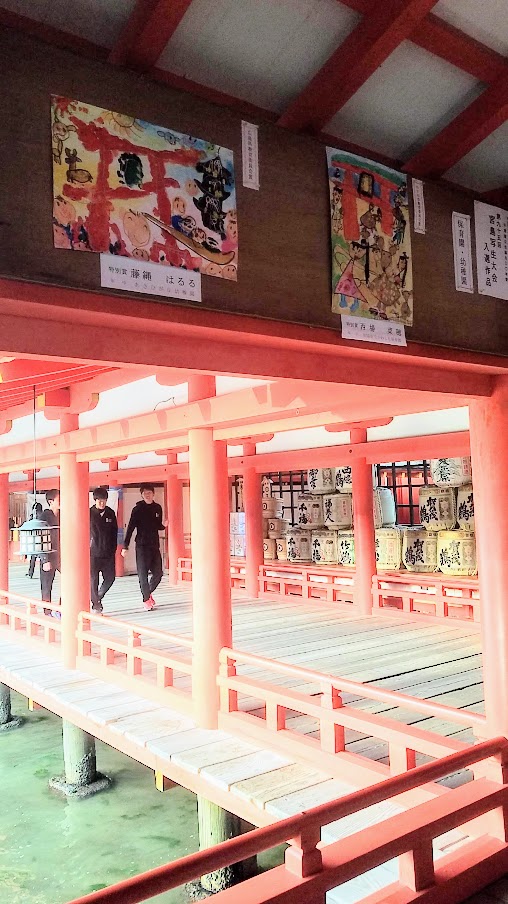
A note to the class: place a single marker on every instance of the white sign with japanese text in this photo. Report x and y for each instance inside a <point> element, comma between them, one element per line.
<point>419,206</point>
<point>131,275</point>
<point>250,157</point>
<point>462,253</point>
<point>364,330</point>
<point>491,227</point>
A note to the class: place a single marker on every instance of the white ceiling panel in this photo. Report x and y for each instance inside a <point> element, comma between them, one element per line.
<point>410,98</point>
<point>258,50</point>
<point>486,166</point>
<point>98,21</point>
<point>485,20</point>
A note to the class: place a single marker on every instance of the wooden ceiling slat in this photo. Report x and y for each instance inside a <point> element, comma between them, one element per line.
<point>368,46</point>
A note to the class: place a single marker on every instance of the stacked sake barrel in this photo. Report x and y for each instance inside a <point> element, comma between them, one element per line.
<point>237,534</point>
<point>328,510</point>
<point>274,525</point>
<point>447,516</point>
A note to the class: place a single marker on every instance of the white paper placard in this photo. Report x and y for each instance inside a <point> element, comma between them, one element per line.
<point>364,330</point>
<point>491,228</point>
<point>131,275</point>
<point>250,157</point>
<point>462,253</point>
<point>419,206</point>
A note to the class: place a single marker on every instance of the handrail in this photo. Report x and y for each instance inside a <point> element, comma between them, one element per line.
<point>163,878</point>
<point>427,707</point>
<point>154,633</point>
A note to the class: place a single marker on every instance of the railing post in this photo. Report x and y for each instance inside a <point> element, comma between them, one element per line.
<point>303,858</point>
<point>416,867</point>
<point>332,735</point>
<point>401,759</point>
<point>228,698</point>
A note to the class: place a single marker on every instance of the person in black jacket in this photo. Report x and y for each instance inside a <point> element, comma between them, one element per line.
<point>50,561</point>
<point>146,519</point>
<point>103,540</point>
<point>36,513</point>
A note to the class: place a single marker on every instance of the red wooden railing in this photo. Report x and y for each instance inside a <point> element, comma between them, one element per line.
<point>22,614</point>
<point>310,582</point>
<point>427,594</point>
<point>311,868</point>
<point>237,567</point>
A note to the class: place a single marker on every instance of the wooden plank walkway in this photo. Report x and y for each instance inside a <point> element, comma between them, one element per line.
<point>440,662</point>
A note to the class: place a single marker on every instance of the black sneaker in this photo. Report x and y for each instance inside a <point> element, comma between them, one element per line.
<point>97,607</point>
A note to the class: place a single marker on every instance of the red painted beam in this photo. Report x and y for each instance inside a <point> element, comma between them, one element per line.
<point>147,31</point>
<point>465,132</point>
<point>353,62</point>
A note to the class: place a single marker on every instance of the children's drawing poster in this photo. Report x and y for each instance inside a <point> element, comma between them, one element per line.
<point>126,187</point>
<point>371,244</point>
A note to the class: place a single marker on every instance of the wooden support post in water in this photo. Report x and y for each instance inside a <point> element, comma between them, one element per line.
<point>81,778</point>
<point>7,720</point>
<point>217,825</point>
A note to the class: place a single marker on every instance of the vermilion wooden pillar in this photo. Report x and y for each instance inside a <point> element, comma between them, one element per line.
<point>489,457</point>
<point>115,482</point>
<point>69,422</point>
<point>253,525</point>
<point>4,532</point>
<point>211,590</point>
<point>174,514</point>
<point>200,386</point>
<point>363,512</point>
<point>75,550</point>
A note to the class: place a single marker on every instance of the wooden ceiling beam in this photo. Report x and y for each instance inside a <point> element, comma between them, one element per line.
<point>147,31</point>
<point>368,46</point>
<point>462,134</point>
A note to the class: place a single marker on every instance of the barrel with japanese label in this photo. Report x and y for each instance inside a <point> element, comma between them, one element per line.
<point>324,547</point>
<point>438,509</point>
<point>280,548</point>
<point>388,549</point>
<point>384,508</point>
<point>310,511</point>
<point>338,511</point>
<point>419,549</point>
<point>321,480</point>
<point>277,527</point>
<point>298,545</point>
<point>465,507</point>
<point>240,545</point>
<point>451,472</point>
<point>456,552</point>
<point>343,480</point>
<point>269,549</point>
<point>346,548</point>
<point>271,507</point>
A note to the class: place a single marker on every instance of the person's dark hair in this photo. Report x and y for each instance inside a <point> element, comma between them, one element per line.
<point>100,493</point>
<point>37,509</point>
<point>146,486</point>
<point>51,495</point>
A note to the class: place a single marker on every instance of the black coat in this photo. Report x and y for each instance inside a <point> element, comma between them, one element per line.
<point>103,532</point>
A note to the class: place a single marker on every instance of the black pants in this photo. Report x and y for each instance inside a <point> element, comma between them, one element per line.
<point>148,560</point>
<point>31,567</point>
<point>104,565</point>
<point>47,578</point>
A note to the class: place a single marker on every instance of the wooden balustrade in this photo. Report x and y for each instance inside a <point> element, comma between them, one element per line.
<point>436,595</point>
<point>237,572</point>
<point>310,582</point>
<point>24,615</point>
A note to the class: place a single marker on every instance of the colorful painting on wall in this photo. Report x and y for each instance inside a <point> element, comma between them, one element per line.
<point>371,243</point>
<point>124,186</point>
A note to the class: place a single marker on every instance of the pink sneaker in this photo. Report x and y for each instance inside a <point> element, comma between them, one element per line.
<point>149,603</point>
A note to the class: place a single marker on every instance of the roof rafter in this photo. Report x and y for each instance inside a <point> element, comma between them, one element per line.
<point>462,134</point>
<point>147,31</point>
<point>353,62</point>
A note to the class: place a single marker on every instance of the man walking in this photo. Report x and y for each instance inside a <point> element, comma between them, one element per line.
<point>146,519</point>
<point>103,540</point>
<point>50,561</point>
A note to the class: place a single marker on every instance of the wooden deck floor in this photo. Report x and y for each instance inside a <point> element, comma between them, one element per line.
<point>441,662</point>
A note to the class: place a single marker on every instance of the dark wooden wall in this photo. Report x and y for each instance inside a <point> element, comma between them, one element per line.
<point>284,255</point>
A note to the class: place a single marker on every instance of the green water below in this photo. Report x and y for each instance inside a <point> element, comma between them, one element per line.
<point>53,850</point>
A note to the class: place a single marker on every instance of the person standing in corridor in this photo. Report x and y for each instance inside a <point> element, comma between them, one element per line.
<point>146,518</point>
<point>103,540</point>
<point>50,561</point>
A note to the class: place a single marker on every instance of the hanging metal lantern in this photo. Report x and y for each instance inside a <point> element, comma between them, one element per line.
<point>37,537</point>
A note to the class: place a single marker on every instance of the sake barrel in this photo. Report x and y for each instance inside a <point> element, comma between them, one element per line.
<point>321,480</point>
<point>298,545</point>
<point>388,549</point>
<point>266,487</point>
<point>437,508</point>
<point>232,538</point>
<point>271,507</point>
<point>465,507</point>
<point>277,527</point>
<point>324,547</point>
<point>450,472</point>
<point>343,480</point>
<point>346,547</point>
<point>384,508</point>
<point>240,547</point>
<point>280,548</point>
<point>338,511</point>
<point>456,552</point>
<point>310,511</point>
<point>269,549</point>
<point>419,549</point>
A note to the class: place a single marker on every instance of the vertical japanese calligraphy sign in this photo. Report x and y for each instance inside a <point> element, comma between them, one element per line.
<point>462,254</point>
<point>491,228</point>
<point>372,273</point>
<point>126,187</point>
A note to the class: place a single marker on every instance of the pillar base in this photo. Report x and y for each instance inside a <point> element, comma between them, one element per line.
<point>14,722</point>
<point>79,792</point>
